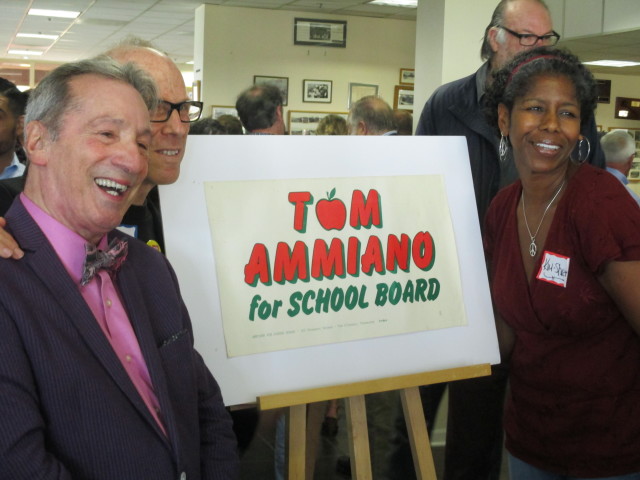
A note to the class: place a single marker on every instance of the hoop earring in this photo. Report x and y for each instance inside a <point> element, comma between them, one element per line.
<point>503,147</point>
<point>581,160</point>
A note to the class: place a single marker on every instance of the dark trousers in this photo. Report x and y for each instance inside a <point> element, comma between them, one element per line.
<point>474,429</point>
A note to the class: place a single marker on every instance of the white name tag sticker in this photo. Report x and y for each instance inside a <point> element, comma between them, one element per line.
<point>554,269</point>
<point>131,230</point>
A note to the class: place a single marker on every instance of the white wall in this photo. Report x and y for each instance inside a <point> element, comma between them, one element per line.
<point>621,86</point>
<point>242,42</point>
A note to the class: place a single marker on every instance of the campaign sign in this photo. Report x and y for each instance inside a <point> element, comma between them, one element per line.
<point>305,262</point>
<point>310,261</point>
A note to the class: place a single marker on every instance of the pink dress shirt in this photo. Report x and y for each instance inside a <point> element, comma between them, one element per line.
<point>103,300</point>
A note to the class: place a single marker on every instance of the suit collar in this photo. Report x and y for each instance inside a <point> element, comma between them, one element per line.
<point>470,110</point>
<point>42,260</point>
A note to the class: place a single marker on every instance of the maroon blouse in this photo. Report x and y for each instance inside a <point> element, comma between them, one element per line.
<point>574,402</point>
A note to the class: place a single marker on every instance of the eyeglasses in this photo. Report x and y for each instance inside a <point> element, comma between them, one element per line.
<point>530,39</point>
<point>188,111</point>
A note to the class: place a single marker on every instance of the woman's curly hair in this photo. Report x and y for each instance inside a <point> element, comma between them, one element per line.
<point>516,78</point>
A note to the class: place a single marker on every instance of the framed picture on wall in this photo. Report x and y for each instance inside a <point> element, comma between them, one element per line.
<point>359,90</point>
<point>281,82</point>
<point>403,97</point>
<point>316,91</point>
<point>305,123</point>
<point>407,76</point>
<point>219,110</point>
<point>604,90</point>
<point>320,33</point>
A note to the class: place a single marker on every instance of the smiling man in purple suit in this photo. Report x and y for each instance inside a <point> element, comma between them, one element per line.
<point>98,375</point>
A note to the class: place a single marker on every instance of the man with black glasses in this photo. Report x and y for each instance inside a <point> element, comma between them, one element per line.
<point>474,427</point>
<point>169,130</point>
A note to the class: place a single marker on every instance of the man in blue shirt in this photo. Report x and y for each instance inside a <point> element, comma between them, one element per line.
<point>619,151</point>
<point>12,105</point>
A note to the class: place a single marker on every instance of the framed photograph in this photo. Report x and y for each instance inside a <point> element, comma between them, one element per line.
<point>320,33</point>
<point>305,123</point>
<point>604,90</point>
<point>219,110</point>
<point>403,97</point>
<point>407,76</point>
<point>281,82</point>
<point>316,91</point>
<point>359,90</point>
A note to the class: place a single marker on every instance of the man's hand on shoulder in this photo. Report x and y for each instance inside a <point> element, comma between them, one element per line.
<point>8,246</point>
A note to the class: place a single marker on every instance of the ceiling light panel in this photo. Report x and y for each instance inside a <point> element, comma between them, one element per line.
<point>39,12</point>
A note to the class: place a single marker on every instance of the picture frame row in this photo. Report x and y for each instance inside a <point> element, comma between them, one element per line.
<point>321,91</point>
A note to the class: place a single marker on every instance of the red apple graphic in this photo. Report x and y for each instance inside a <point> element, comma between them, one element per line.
<point>331,212</point>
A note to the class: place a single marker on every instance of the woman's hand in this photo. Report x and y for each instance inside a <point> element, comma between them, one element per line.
<point>8,246</point>
<point>621,280</point>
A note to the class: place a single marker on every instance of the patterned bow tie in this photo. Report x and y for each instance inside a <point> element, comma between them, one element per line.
<point>110,259</point>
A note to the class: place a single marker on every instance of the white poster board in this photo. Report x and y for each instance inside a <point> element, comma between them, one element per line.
<point>189,246</point>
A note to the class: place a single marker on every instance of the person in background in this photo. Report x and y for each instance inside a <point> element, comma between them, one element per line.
<point>231,124</point>
<point>98,375</point>
<point>619,149</point>
<point>404,121</point>
<point>260,110</point>
<point>474,443</point>
<point>563,254</point>
<point>371,116</point>
<point>332,125</point>
<point>12,106</point>
<point>207,126</point>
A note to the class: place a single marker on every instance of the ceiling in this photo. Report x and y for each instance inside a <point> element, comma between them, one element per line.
<point>169,24</point>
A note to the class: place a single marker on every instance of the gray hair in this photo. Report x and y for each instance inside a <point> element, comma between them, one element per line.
<point>618,146</point>
<point>497,20</point>
<point>376,114</point>
<point>52,98</point>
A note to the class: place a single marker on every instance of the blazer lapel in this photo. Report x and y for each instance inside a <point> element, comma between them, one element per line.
<point>134,301</point>
<point>44,262</point>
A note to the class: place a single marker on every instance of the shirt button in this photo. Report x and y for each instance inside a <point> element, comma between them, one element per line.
<point>183,476</point>
<point>108,302</point>
<point>128,358</point>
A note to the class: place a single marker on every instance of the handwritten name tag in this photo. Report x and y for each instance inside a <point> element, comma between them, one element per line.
<point>554,269</point>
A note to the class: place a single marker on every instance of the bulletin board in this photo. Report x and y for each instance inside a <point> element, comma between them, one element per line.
<point>222,176</point>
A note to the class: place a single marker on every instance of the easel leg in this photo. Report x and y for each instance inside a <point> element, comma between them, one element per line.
<point>358,438</point>
<point>297,441</point>
<point>418,436</point>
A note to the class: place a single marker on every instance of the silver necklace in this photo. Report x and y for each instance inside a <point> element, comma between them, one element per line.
<point>533,248</point>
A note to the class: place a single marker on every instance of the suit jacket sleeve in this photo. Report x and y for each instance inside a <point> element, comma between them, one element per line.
<point>218,447</point>
<point>427,124</point>
<point>23,449</point>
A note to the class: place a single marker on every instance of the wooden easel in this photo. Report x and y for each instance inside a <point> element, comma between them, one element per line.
<point>357,419</point>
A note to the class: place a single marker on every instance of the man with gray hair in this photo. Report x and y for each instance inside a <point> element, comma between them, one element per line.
<point>169,129</point>
<point>619,149</point>
<point>98,375</point>
<point>474,430</point>
<point>371,116</point>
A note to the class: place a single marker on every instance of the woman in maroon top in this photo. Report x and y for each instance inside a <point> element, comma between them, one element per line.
<point>563,247</point>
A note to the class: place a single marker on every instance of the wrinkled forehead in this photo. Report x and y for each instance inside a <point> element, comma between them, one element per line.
<point>528,16</point>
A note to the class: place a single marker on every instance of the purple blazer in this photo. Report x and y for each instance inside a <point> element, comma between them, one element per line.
<point>67,407</point>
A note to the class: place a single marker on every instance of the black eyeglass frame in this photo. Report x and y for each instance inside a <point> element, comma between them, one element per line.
<point>177,106</point>
<point>547,37</point>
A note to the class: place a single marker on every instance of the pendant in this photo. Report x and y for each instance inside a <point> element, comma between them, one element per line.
<point>533,249</point>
